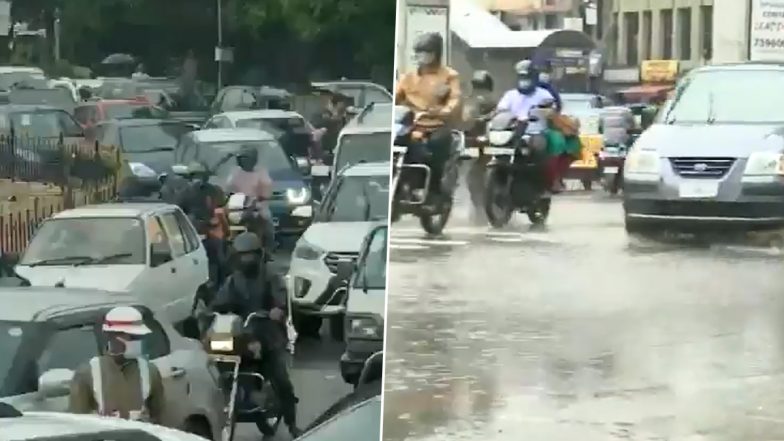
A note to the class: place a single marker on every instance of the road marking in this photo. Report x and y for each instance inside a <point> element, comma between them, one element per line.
<point>406,247</point>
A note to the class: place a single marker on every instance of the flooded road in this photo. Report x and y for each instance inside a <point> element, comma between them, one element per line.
<point>576,333</point>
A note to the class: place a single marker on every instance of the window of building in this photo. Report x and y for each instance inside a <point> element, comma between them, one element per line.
<point>551,21</point>
<point>706,20</point>
<point>632,23</point>
<point>684,33</point>
<point>647,34</point>
<point>666,25</point>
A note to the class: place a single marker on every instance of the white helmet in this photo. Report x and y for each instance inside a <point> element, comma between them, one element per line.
<point>126,320</point>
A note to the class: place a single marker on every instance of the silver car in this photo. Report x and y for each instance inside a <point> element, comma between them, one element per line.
<point>714,158</point>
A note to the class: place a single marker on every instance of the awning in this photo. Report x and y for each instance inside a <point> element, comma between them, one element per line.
<point>646,92</point>
<point>480,29</point>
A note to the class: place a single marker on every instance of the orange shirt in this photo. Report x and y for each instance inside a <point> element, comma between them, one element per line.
<point>419,91</point>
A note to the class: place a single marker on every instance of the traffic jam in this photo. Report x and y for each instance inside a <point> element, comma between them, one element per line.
<point>216,268</point>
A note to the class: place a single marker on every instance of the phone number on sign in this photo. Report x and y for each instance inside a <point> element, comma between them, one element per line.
<point>769,42</point>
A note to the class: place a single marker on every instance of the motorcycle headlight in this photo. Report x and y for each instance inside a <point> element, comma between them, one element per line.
<point>500,137</point>
<point>642,162</point>
<point>141,170</point>
<point>222,344</point>
<point>765,164</point>
<point>306,251</point>
<point>297,195</point>
<point>364,327</point>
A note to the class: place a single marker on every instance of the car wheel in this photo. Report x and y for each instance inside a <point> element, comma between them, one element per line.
<point>198,427</point>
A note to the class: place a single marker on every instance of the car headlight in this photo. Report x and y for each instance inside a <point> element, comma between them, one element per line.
<point>225,344</point>
<point>306,251</point>
<point>142,170</point>
<point>297,195</point>
<point>765,164</point>
<point>642,162</point>
<point>364,327</point>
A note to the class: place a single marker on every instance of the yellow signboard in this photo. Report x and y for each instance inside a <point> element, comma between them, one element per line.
<point>659,71</point>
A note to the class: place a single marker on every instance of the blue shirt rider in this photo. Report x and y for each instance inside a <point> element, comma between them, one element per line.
<point>546,83</point>
<point>523,100</point>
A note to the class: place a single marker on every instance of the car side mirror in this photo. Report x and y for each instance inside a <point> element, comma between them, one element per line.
<point>303,164</point>
<point>159,254</point>
<point>55,382</point>
<point>344,270</point>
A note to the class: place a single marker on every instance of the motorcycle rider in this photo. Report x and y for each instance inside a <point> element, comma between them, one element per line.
<point>523,102</point>
<point>253,180</point>
<point>432,91</point>
<point>202,202</point>
<point>256,285</point>
<point>545,82</point>
<point>120,383</point>
<point>479,106</point>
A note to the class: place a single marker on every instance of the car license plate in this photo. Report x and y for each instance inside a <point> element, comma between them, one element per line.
<point>698,189</point>
<point>611,170</point>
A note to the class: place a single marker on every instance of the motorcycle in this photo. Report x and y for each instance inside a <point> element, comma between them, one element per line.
<point>515,180</point>
<point>411,174</point>
<point>250,398</point>
<point>243,215</point>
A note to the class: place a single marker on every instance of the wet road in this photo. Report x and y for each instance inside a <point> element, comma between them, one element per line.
<point>578,333</point>
<point>316,378</point>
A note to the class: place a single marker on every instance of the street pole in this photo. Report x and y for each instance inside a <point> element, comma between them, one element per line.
<point>219,51</point>
<point>57,34</point>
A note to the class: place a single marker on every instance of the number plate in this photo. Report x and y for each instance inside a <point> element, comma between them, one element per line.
<point>699,189</point>
<point>498,151</point>
<point>611,170</point>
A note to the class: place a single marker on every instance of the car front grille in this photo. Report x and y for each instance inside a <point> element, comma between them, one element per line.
<point>332,260</point>
<point>690,167</point>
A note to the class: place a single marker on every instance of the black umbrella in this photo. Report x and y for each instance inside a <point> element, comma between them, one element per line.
<point>119,59</point>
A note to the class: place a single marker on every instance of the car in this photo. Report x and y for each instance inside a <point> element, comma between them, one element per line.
<point>355,202</point>
<point>365,305</point>
<point>90,113</point>
<point>239,97</point>
<point>147,145</point>
<point>291,129</point>
<point>714,157</point>
<point>39,121</point>
<point>361,92</point>
<point>55,426</point>
<point>48,332</point>
<point>583,102</point>
<point>148,249</point>
<point>56,97</point>
<point>365,138</point>
<point>217,148</point>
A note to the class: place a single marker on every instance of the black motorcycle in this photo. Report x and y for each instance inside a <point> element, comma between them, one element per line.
<point>515,180</point>
<point>411,174</point>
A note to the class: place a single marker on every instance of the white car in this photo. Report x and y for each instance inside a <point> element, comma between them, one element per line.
<point>355,202</point>
<point>148,249</point>
<point>51,426</point>
<point>47,333</point>
<point>365,305</point>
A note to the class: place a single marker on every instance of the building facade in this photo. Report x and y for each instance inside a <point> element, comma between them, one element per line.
<point>664,30</point>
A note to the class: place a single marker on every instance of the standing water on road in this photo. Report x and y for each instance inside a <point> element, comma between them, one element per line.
<point>577,333</point>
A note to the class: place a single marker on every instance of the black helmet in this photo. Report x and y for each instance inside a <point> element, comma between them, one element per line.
<point>431,42</point>
<point>249,152</point>
<point>482,80</point>
<point>247,242</point>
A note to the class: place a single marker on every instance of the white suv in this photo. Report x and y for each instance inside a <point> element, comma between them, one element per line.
<point>356,200</point>
<point>148,249</point>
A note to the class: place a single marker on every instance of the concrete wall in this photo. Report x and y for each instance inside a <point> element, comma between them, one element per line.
<point>621,7</point>
<point>730,35</point>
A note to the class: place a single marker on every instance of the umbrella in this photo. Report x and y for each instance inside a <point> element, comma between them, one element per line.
<point>119,59</point>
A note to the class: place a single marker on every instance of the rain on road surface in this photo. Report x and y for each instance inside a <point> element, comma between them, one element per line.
<point>316,378</point>
<point>574,333</point>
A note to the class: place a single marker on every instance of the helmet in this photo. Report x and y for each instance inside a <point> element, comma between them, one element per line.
<point>482,80</point>
<point>249,152</point>
<point>247,242</point>
<point>527,77</point>
<point>125,320</point>
<point>197,168</point>
<point>431,42</point>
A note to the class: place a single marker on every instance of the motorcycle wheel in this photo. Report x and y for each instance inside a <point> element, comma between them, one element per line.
<point>497,200</point>
<point>539,214</point>
<point>434,223</point>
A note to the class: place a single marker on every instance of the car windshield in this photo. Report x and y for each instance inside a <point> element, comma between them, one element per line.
<point>724,96</point>
<point>127,111</point>
<point>378,115</point>
<point>153,137</point>
<point>87,240</point>
<point>37,124</point>
<point>365,147</point>
<point>119,90</point>
<point>271,156</point>
<point>577,104</point>
<point>372,273</point>
<point>359,199</point>
<point>11,335</point>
